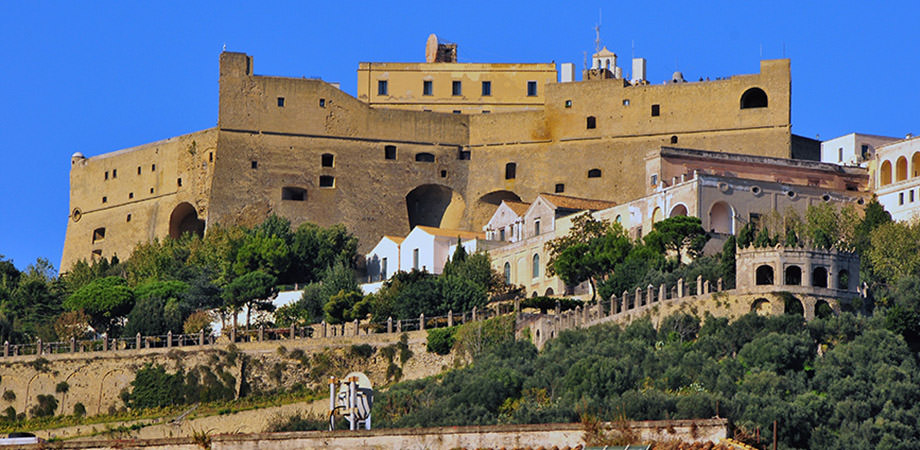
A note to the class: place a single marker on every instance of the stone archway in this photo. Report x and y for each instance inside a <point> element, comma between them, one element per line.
<point>794,306</point>
<point>679,210</point>
<point>435,205</point>
<point>184,219</point>
<point>823,309</point>
<point>762,307</point>
<point>486,204</point>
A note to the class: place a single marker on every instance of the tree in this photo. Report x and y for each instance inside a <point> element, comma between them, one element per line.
<point>314,249</point>
<point>72,324</point>
<point>339,307</point>
<point>591,249</point>
<point>147,317</point>
<point>106,300</point>
<point>252,291</point>
<point>683,235</point>
<point>894,251</point>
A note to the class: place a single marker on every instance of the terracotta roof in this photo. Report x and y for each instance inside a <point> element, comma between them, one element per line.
<point>452,233</point>
<point>519,208</point>
<point>395,239</point>
<point>566,202</point>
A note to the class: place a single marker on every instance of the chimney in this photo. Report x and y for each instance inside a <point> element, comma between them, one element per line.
<point>567,73</point>
<point>638,70</point>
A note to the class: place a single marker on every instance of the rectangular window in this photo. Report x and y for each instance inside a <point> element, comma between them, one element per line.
<point>98,235</point>
<point>531,88</point>
<point>427,87</point>
<point>656,110</point>
<point>653,180</point>
<point>864,153</point>
<point>389,152</point>
<point>179,182</point>
<point>130,195</point>
<point>128,219</point>
<point>415,259</point>
<point>568,103</point>
<point>536,227</point>
<point>486,88</point>
<point>322,103</point>
<point>501,235</point>
<point>138,170</point>
<point>153,167</point>
<point>254,164</point>
<point>383,269</point>
<point>381,87</point>
<point>910,195</point>
<point>901,198</point>
<point>326,181</point>
<point>114,173</point>
<point>281,102</point>
<point>457,88</point>
<point>106,174</point>
<point>560,188</point>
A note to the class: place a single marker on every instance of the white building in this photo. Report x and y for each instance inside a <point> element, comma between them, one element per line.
<point>427,248</point>
<point>897,178</point>
<point>852,149</point>
<point>506,224</point>
<point>383,259</point>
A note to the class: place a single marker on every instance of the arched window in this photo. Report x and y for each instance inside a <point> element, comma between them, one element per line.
<point>761,307</point>
<point>793,276</point>
<point>819,277</point>
<point>507,272</point>
<point>673,139</point>
<point>657,215</point>
<point>591,123</point>
<point>424,157</point>
<point>328,159</point>
<point>885,173</point>
<point>901,169</point>
<point>510,171</point>
<point>594,173</point>
<point>98,235</point>
<point>823,310</point>
<point>720,218</point>
<point>915,165</point>
<point>843,279</point>
<point>793,306</point>
<point>536,265</point>
<point>679,210</point>
<point>549,292</point>
<point>764,275</point>
<point>754,98</point>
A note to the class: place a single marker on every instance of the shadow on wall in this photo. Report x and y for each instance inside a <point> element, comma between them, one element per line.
<point>435,205</point>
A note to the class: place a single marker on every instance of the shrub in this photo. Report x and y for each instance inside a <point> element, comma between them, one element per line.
<point>45,407</point>
<point>362,350</point>
<point>153,387</point>
<point>62,387</point>
<point>9,414</point>
<point>9,395</point>
<point>197,321</point>
<point>441,340</point>
<point>79,410</point>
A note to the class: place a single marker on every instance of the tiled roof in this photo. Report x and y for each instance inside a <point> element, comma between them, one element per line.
<point>453,233</point>
<point>519,208</point>
<point>566,202</point>
<point>396,239</point>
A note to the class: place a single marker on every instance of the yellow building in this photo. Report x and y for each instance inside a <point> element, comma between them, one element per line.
<point>441,84</point>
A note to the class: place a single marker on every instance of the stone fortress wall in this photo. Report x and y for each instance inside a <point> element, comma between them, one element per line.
<point>304,149</point>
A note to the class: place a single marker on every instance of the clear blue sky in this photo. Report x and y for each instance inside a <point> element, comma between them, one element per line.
<point>95,77</point>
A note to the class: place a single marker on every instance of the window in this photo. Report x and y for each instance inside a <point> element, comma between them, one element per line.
<point>153,167</point>
<point>625,102</point>
<point>910,195</point>
<point>507,273</point>
<point>864,153</point>
<point>464,155</point>
<point>536,266</point>
<point>424,157</point>
<point>381,87</point>
<point>840,154</point>
<point>510,171</point>
<point>97,253</point>
<point>130,195</point>
<point>128,218</point>
<point>656,110</point>
<point>594,173</point>
<point>210,156</point>
<point>901,198</point>
<point>383,268</point>
<point>281,102</point>
<point>568,103</point>
<point>293,193</point>
<point>457,88</point>
<point>106,174</point>
<point>653,180</point>
<point>501,235</point>
<point>179,182</point>
<point>328,159</point>
<point>151,190</point>
<point>456,111</point>
<point>560,188</point>
<point>114,173</point>
<point>254,164</point>
<point>591,123</point>
<point>138,170</point>
<point>105,199</point>
<point>793,276</point>
<point>389,152</point>
<point>764,275</point>
<point>531,88</point>
<point>443,174</point>
<point>536,227</point>
<point>673,139</point>
<point>486,111</point>
<point>322,103</point>
<point>486,88</point>
<point>415,259</point>
<point>754,98</point>
<point>98,235</point>
<point>326,181</point>
<point>427,87</point>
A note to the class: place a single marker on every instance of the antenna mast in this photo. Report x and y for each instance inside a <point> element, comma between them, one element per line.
<point>597,32</point>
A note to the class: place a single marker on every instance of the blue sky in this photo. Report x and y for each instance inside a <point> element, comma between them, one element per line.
<point>95,77</point>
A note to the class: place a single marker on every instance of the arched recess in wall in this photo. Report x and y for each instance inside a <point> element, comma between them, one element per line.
<point>885,173</point>
<point>720,218</point>
<point>754,98</point>
<point>435,205</point>
<point>549,292</point>
<point>486,204</point>
<point>184,219</point>
<point>679,210</point>
<point>793,306</point>
<point>762,307</point>
<point>657,215</point>
<point>915,165</point>
<point>819,277</point>
<point>763,275</point>
<point>823,310</point>
<point>793,276</point>
<point>900,173</point>
<point>507,272</point>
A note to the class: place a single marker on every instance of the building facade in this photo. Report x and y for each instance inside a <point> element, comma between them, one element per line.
<point>896,178</point>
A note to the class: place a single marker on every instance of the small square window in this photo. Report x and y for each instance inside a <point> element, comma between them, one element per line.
<point>328,159</point>
<point>105,199</point>
<point>568,103</point>
<point>254,164</point>
<point>389,152</point>
<point>427,87</point>
<point>322,103</point>
<point>531,88</point>
<point>560,188</point>
<point>625,102</point>
<point>130,195</point>
<point>281,102</point>
<point>444,175</point>
<point>457,88</point>
<point>486,88</point>
<point>326,181</point>
<point>382,87</point>
<point>656,110</point>
<point>464,155</point>
<point>98,235</point>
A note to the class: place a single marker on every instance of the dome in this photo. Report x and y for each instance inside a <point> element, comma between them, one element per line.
<point>77,155</point>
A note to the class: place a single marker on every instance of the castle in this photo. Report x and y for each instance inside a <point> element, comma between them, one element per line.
<point>417,147</point>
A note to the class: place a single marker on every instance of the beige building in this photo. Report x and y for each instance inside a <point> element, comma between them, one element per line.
<point>305,150</point>
<point>441,84</point>
<point>896,170</point>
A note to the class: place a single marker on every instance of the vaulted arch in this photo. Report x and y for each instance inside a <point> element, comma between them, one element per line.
<point>884,173</point>
<point>184,219</point>
<point>754,98</point>
<point>435,205</point>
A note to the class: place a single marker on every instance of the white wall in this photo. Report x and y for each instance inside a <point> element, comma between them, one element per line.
<point>386,248</point>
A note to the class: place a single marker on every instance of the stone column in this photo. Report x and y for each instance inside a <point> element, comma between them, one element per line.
<point>625,305</point>
<point>450,318</point>
<point>261,333</point>
<point>474,314</point>
<point>137,339</point>
<point>662,292</point>
<point>517,307</point>
<point>705,286</point>
<point>650,294</point>
<point>73,344</point>
<point>680,288</point>
<point>201,336</point>
<point>390,324</point>
<point>719,285</point>
<point>558,308</point>
<point>699,284</point>
<point>638,297</point>
<point>6,348</point>
<point>169,339</point>
<point>356,327</point>
<point>325,331</point>
<point>421,321</point>
<point>293,330</point>
<point>806,273</point>
<point>399,326</point>
<point>40,350</point>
